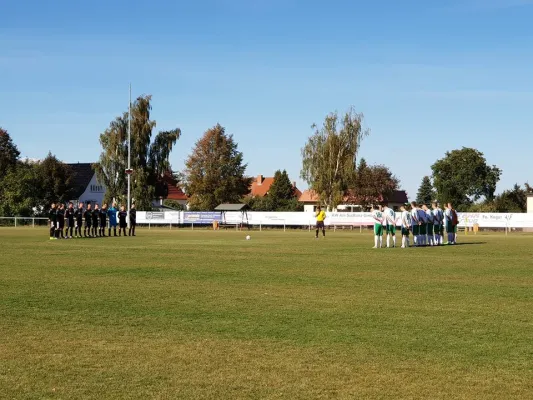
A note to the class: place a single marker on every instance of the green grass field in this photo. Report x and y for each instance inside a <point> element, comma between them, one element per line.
<point>208,315</point>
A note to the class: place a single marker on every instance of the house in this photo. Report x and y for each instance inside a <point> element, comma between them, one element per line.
<point>261,185</point>
<point>310,200</point>
<point>173,191</point>
<point>87,189</point>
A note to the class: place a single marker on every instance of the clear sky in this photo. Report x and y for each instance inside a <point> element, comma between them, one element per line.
<point>429,76</point>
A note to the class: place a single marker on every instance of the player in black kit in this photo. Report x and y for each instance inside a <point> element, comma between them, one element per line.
<point>52,221</point>
<point>78,216</point>
<point>96,219</point>
<point>133,220</point>
<point>122,221</point>
<point>69,217</point>
<point>60,221</point>
<point>103,220</point>
<point>88,215</point>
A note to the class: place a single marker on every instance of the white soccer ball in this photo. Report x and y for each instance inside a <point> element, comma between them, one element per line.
<point>248,237</point>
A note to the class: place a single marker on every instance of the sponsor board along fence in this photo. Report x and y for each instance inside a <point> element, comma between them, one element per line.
<point>304,219</point>
<point>292,219</point>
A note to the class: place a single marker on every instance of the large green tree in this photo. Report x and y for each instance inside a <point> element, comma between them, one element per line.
<point>19,191</point>
<point>426,193</point>
<point>149,160</point>
<point>329,156</point>
<point>9,153</point>
<point>281,193</point>
<point>372,184</point>
<point>512,201</point>
<point>463,176</point>
<point>215,172</point>
<point>55,181</point>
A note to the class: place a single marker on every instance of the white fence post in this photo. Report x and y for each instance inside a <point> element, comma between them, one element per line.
<point>15,222</point>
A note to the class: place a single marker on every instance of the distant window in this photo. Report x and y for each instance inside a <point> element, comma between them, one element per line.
<point>96,188</point>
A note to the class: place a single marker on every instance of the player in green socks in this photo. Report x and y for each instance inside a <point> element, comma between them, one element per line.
<point>377,214</point>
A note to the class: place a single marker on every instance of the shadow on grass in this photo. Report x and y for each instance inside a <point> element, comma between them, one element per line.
<point>468,243</point>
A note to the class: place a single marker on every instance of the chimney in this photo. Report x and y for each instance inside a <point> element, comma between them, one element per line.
<point>294,184</point>
<point>259,179</point>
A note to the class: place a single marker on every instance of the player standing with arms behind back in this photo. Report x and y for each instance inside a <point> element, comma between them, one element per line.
<point>79,220</point>
<point>52,221</point>
<point>320,217</point>
<point>415,223</point>
<point>88,215</point>
<point>133,220</point>
<point>69,216</point>
<point>390,218</point>
<point>122,221</point>
<point>438,220</point>
<point>378,227</point>
<point>103,219</point>
<point>112,214</point>
<point>406,226</point>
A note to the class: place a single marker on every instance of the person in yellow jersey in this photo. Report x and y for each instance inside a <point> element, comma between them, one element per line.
<point>320,217</point>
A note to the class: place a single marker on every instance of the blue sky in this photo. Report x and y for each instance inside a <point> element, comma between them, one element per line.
<point>428,76</point>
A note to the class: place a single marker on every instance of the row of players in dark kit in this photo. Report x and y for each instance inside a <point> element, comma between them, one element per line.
<point>68,222</point>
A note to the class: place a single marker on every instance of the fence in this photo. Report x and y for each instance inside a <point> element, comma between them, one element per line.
<point>292,220</point>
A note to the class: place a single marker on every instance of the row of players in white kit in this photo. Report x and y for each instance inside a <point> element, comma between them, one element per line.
<point>426,225</point>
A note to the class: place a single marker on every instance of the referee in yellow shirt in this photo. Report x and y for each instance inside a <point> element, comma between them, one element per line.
<point>320,217</point>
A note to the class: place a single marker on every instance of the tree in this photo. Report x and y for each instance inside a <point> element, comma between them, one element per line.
<point>463,176</point>
<point>372,184</point>
<point>55,181</point>
<point>149,160</point>
<point>215,171</point>
<point>9,153</point>
<point>512,201</point>
<point>110,170</point>
<point>329,156</point>
<point>426,194</point>
<point>19,190</point>
<point>281,192</point>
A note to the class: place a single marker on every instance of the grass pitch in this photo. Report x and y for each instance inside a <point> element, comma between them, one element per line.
<point>208,315</point>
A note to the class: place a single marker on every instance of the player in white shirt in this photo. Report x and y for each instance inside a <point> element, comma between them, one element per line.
<point>415,223</point>
<point>422,218</point>
<point>377,214</point>
<point>438,221</point>
<point>390,219</point>
<point>450,227</point>
<point>429,223</point>
<point>406,226</point>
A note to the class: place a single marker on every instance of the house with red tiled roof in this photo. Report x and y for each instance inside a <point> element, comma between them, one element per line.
<point>310,200</point>
<point>261,185</point>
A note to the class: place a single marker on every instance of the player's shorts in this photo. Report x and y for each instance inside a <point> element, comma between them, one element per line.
<point>95,223</point>
<point>61,224</point>
<point>319,224</point>
<point>378,229</point>
<point>438,229</point>
<point>405,231</point>
<point>391,229</point>
<point>430,229</point>
<point>449,227</point>
<point>423,229</point>
<point>112,223</point>
<point>88,223</point>
<point>416,230</point>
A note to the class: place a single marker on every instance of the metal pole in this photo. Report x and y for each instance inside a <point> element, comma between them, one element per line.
<point>129,157</point>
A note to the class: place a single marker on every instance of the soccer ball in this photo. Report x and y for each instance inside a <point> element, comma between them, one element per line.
<point>248,237</point>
